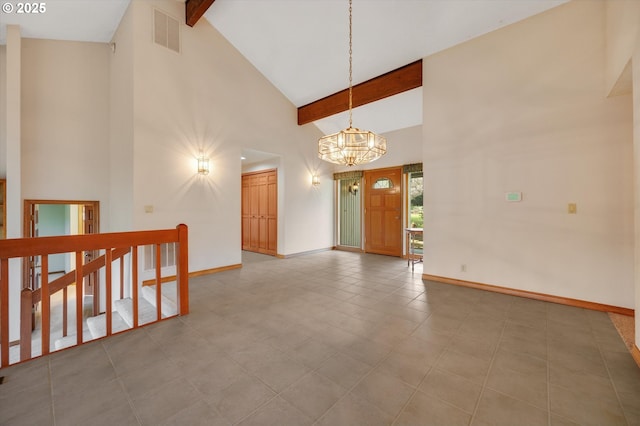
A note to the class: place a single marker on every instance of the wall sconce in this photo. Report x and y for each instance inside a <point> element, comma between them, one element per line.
<point>353,188</point>
<point>203,165</point>
<point>315,180</point>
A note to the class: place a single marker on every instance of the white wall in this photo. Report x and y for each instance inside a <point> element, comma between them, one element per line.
<point>636,145</point>
<point>121,63</point>
<point>3,111</point>
<point>523,109</point>
<point>622,25</point>
<point>65,121</point>
<point>209,98</point>
<point>623,52</point>
<point>12,159</point>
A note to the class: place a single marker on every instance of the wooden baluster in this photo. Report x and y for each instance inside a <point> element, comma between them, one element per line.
<point>182,273</point>
<point>46,305</point>
<point>79,299</point>
<point>65,311</point>
<point>158,282</point>
<point>26,325</point>
<point>4,312</point>
<point>108,260</point>
<point>134,284</point>
<point>94,278</point>
<point>122,277</point>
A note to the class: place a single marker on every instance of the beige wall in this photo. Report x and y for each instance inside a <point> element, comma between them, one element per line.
<point>65,121</point>
<point>3,110</point>
<point>622,27</point>
<point>623,75</point>
<point>121,62</point>
<point>13,132</point>
<point>636,156</point>
<point>11,158</point>
<point>209,98</point>
<point>523,109</point>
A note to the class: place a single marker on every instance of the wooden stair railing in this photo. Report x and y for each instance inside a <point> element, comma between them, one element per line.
<point>30,298</point>
<point>116,246</point>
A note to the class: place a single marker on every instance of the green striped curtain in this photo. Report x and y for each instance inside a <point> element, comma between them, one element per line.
<point>350,216</point>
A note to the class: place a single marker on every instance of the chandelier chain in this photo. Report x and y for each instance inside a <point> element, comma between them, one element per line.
<point>350,65</point>
<point>351,146</point>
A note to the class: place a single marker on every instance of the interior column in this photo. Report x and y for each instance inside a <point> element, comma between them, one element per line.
<point>13,159</point>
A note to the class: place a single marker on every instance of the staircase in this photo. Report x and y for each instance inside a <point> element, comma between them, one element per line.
<point>122,316</point>
<point>48,310</point>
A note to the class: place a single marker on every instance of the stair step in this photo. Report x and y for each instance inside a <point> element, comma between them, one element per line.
<point>98,324</point>
<point>146,311</point>
<point>122,319</point>
<point>65,342</point>
<point>169,307</point>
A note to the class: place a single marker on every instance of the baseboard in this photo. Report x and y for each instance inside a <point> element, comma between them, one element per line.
<point>193,274</point>
<point>532,295</point>
<point>303,253</point>
<point>635,353</point>
<point>214,270</point>
<point>351,249</point>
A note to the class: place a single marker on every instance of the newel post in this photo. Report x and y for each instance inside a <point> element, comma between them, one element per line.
<point>26,326</point>
<point>183,269</point>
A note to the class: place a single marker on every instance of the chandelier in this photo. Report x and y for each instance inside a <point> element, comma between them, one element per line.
<point>351,146</point>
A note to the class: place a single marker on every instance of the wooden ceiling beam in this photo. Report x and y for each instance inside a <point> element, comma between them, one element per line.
<point>397,81</point>
<point>195,9</point>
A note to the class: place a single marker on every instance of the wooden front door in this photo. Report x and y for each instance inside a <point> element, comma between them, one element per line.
<point>260,212</point>
<point>383,211</point>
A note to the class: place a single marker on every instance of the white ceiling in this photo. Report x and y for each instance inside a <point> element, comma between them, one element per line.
<point>301,46</point>
<point>80,20</point>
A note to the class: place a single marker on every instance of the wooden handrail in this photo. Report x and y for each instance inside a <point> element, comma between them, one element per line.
<point>24,247</point>
<point>116,246</point>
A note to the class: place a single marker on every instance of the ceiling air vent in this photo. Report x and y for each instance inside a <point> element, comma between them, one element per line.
<point>166,31</point>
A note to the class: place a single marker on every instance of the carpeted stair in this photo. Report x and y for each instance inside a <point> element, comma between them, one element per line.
<point>122,317</point>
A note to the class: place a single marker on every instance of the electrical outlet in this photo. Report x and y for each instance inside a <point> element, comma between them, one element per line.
<point>463,268</point>
<point>572,208</point>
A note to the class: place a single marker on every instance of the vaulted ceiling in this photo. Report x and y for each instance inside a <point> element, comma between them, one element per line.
<point>301,46</point>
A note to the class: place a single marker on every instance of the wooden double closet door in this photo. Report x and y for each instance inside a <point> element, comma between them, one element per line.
<point>260,212</point>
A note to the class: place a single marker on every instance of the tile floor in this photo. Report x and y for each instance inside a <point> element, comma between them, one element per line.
<point>338,338</point>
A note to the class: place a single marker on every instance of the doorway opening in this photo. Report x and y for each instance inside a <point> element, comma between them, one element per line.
<point>260,212</point>
<point>349,213</point>
<point>373,206</point>
<point>45,218</point>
